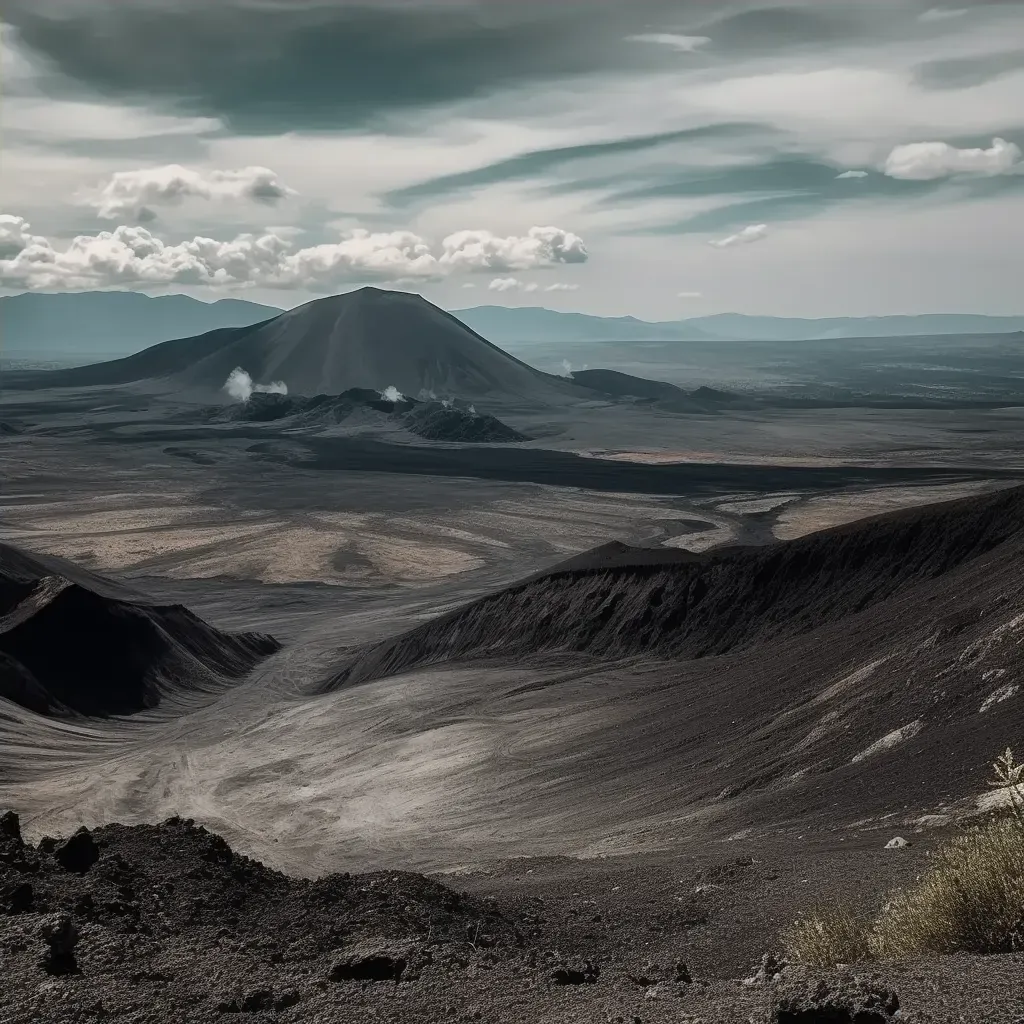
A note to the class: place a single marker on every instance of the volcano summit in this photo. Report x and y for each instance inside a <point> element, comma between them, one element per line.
<point>369,338</point>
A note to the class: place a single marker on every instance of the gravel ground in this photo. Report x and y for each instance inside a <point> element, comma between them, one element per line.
<point>166,923</point>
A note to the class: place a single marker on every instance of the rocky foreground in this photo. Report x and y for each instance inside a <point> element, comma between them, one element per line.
<point>167,923</point>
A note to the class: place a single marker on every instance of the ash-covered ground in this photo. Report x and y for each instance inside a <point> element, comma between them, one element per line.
<point>166,922</point>
<point>558,729</point>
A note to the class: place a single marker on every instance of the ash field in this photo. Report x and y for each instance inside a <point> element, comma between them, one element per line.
<point>352,668</point>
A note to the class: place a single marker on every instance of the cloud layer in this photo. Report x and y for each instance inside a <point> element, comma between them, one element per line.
<point>514,284</point>
<point>928,161</point>
<point>132,194</point>
<point>130,256</point>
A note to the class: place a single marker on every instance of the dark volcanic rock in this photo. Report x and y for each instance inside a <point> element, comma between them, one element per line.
<point>438,422</point>
<point>587,975</point>
<point>16,897</point>
<point>857,1002</point>
<point>61,937</point>
<point>10,826</point>
<point>371,966</point>
<point>78,853</point>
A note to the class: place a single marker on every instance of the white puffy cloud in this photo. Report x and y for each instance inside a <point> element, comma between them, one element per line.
<point>685,44</point>
<point>851,174</point>
<point>539,248</point>
<point>133,255</point>
<point>751,233</point>
<point>132,194</point>
<point>15,236</point>
<point>691,295</point>
<point>927,161</point>
<point>561,286</point>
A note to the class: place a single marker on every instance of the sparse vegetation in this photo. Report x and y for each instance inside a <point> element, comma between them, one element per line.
<point>831,936</point>
<point>971,898</point>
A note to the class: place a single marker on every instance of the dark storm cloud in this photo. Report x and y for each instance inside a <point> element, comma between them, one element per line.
<point>270,65</point>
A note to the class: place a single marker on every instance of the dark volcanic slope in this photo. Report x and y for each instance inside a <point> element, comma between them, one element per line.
<point>625,385</point>
<point>435,421</point>
<point>65,647</point>
<point>365,339</point>
<point>715,603</point>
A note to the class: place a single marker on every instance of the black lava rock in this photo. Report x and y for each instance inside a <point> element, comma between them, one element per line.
<point>61,936</point>
<point>78,853</point>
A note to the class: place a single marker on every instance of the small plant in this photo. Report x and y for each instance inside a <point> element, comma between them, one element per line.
<point>1010,776</point>
<point>831,936</point>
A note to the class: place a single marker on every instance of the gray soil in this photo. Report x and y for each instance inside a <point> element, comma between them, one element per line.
<point>565,729</point>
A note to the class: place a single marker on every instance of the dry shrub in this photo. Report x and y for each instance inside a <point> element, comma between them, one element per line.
<point>970,900</point>
<point>831,936</point>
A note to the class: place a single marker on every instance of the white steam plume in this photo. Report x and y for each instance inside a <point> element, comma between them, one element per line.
<point>240,387</point>
<point>566,369</point>
<point>392,394</point>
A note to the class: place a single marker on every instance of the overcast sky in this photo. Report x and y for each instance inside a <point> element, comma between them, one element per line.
<point>660,158</point>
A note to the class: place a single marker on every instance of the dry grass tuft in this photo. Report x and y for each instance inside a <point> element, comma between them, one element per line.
<point>970,900</point>
<point>831,936</point>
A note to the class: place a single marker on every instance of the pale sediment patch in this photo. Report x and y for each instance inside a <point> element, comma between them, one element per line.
<point>890,740</point>
<point>837,509</point>
<point>858,676</point>
<point>703,540</point>
<point>753,506</point>
<point>998,696</point>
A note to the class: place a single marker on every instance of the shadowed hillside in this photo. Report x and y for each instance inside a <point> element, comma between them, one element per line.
<point>65,648</point>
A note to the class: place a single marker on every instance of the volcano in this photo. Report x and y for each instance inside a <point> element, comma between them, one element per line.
<point>368,338</point>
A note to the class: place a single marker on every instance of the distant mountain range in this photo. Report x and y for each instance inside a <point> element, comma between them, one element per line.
<point>96,324</point>
<point>534,324</point>
<point>39,325</point>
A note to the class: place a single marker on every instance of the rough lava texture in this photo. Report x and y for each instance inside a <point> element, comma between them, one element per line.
<point>169,923</point>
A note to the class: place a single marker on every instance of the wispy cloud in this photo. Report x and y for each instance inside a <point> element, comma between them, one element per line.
<point>941,13</point>
<point>851,174</point>
<point>685,44</point>
<point>751,233</point>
